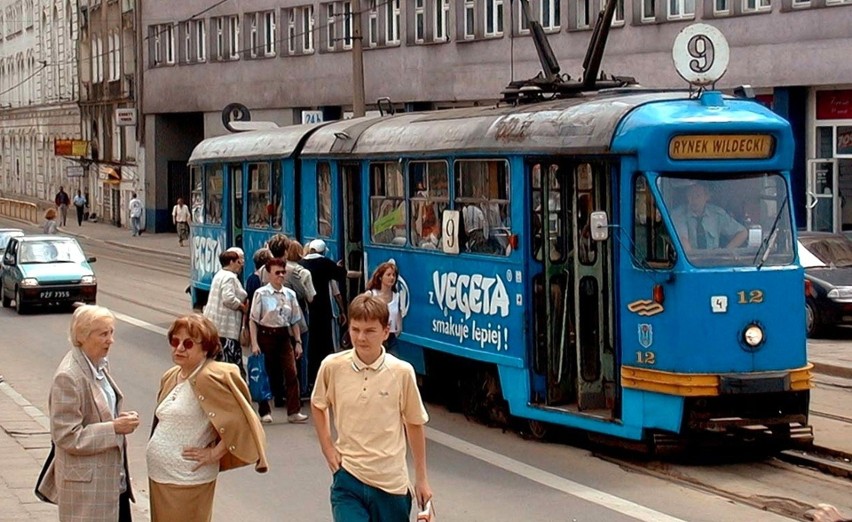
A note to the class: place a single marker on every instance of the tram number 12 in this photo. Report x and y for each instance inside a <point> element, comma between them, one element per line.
<point>646,358</point>
<point>750,297</point>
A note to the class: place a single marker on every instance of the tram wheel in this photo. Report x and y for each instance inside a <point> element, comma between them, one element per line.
<point>538,430</point>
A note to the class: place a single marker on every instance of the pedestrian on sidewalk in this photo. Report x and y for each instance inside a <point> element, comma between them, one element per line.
<point>135,207</point>
<point>49,226</point>
<point>181,218</point>
<point>88,476</point>
<point>375,403</point>
<point>80,205</point>
<point>204,423</point>
<point>274,327</point>
<point>226,305</point>
<point>62,201</point>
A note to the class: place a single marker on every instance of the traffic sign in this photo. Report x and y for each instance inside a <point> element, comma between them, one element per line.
<point>701,54</point>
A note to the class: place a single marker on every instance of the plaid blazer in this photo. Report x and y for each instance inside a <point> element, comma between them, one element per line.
<point>84,477</point>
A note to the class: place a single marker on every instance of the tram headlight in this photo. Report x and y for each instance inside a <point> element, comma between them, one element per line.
<point>753,335</point>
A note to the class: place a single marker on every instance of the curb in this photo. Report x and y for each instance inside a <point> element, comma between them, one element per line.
<point>832,370</point>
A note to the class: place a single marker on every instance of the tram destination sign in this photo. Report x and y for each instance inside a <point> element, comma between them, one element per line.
<point>727,146</point>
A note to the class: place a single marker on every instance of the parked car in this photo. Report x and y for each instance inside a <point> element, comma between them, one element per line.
<point>5,235</point>
<point>46,271</point>
<point>827,259</point>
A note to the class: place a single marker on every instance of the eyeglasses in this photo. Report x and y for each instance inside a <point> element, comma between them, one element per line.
<point>188,344</point>
<point>279,272</point>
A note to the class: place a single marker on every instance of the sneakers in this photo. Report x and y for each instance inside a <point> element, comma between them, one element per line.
<point>297,418</point>
<point>266,419</point>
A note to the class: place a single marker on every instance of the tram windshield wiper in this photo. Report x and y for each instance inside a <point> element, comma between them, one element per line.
<point>769,241</point>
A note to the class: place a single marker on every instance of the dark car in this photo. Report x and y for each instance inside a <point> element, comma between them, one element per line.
<point>827,259</point>
<point>45,271</point>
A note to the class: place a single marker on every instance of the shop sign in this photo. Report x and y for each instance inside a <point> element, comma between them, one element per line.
<point>844,140</point>
<point>125,117</point>
<point>70,147</point>
<point>74,171</point>
<point>834,105</point>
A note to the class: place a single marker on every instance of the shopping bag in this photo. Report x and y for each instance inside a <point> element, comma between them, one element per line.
<point>258,380</point>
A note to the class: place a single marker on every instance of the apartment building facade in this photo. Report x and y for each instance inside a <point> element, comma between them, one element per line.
<point>108,105</point>
<point>281,59</point>
<point>38,96</point>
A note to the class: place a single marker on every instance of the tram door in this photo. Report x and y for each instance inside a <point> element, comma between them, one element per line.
<point>823,196</point>
<point>592,288</point>
<point>553,239</point>
<point>353,241</point>
<point>573,304</point>
<point>235,173</point>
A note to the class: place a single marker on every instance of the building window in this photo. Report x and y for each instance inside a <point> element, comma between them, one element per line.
<point>347,25</point>
<point>269,33</point>
<point>482,196</point>
<point>308,29</point>
<point>618,16</point>
<point>550,14</point>
<point>115,57</point>
<point>373,27</point>
<point>442,20</point>
<point>186,36</point>
<point>254,40</point>
<point>234,37</point>
<point>170,43</point>
<point>329,13</point>
<point>428,198</point>
<point>220,38</point>
<point>392,22</point>
<point>387,204</point>
<point>493,17</point>
<point>721,7</point>
<point>583,13</point>
<point>469,19</point>
<point>419,20</point>
<point>649,10</point>
<point>200,40</point>
<point>291,31</point>
<point>837,2</point>
<point>799,4</point>
<point>685,9</point>
<point>753,6</point>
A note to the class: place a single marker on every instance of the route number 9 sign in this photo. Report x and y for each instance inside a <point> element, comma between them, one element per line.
<point>701,54</point>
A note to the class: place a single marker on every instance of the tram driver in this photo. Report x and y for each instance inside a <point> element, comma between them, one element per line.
<point>703,225</point>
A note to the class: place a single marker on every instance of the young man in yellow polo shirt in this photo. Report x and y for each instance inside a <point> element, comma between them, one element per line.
<point>375,401</point>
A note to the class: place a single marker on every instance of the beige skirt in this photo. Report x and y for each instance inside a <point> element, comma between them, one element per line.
<point>176,503</point>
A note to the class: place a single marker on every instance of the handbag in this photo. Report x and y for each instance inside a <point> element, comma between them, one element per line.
<point>258,380</point>
<point>47,462</point>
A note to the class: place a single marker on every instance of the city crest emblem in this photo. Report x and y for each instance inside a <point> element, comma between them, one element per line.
<point>646,335</point>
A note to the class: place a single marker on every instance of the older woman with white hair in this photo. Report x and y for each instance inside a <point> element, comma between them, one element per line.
<point>88,475</point>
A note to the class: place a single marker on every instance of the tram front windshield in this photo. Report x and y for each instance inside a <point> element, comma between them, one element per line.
<point>732,221</point>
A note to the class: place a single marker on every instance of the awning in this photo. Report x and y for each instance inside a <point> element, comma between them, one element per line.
<point>110,175</point>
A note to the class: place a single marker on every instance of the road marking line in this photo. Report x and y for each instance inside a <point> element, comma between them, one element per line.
<point>548,479</point>
<point>509,464</point>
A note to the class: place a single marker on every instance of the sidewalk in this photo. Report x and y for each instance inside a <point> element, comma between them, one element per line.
<point>164,243</point>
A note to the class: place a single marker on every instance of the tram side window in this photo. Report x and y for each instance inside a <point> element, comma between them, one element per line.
<point>197,195</point>
<point>215,191</point>
<point>555,232</point>
<point>387,204</point>
<point>482,196</point>
<point>428,197</point>
<point>324,198</point>
<point>651,239</point>
<point>264,196</point>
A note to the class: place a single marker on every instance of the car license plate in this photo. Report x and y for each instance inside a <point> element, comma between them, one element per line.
<point>55,294</point>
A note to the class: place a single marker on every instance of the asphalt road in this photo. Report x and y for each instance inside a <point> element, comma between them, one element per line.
<point>477,473</point>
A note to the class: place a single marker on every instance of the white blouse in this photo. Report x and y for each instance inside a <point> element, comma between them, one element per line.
<point>182,423</point>
<point>394,312</point>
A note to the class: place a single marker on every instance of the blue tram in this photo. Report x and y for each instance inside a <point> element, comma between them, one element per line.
<point>621,262</point>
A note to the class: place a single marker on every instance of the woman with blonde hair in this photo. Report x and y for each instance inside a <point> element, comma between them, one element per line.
<point>203,424</point>
<point>50,226</point>
<point>88,476</point>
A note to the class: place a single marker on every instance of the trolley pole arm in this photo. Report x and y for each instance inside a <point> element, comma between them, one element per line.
<point>594,54</point>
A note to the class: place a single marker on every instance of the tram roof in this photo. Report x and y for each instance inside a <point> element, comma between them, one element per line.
<point>580,124</point>
<point>252,145</point>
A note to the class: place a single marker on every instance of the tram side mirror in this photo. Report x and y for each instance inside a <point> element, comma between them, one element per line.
<point>600,225</point>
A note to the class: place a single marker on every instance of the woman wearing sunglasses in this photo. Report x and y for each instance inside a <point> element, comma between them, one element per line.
<point>204,423</point>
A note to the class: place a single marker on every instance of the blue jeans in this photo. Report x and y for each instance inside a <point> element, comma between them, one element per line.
<point>354,501</point>
<point>135,225</point>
